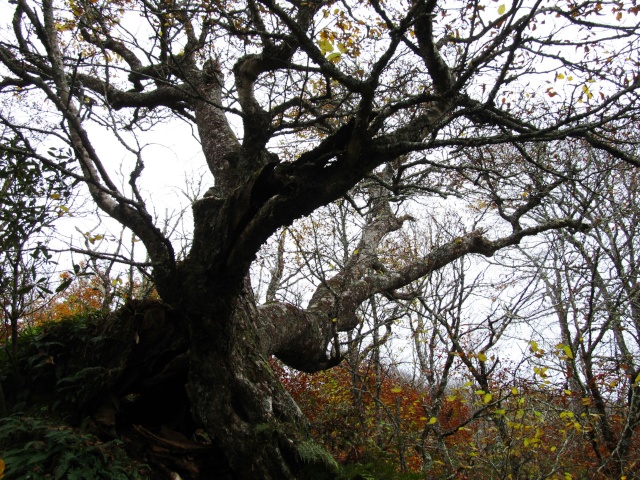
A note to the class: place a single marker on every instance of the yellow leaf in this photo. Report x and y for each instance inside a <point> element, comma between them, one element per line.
<point>451,398</point>
<point>540,371</point>
<point>514,391</point>
<point>56,196</point>
<point>342,47</point>
<point>567,351</point>
<point>482,357</point>
<point>334,57</point>
<point>325,46</point>
<point>560,76</point>
<point>534,346</point>
<point>487,398</point>
<point>501,9</point>
<point>432,420</point>
<point>396,390</point>
<point>356,251</point>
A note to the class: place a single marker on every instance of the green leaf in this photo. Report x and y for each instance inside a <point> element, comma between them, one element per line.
<point>64,285</point>
<point>334,57</point>
<point>25,289</point>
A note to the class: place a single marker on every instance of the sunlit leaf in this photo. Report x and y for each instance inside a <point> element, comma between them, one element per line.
<point>567,351</point>
<point>325,46</point>
<point>334,57</point>
<point>586,91</point>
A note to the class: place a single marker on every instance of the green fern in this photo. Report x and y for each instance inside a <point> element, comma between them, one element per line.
<point>34,448</point>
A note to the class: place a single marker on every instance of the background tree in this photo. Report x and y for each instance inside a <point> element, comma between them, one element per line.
<point>590,284</point>
<point>410,96</point>
<point>32,196</point>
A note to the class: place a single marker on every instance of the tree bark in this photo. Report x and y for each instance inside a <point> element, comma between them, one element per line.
<point>235,393</point>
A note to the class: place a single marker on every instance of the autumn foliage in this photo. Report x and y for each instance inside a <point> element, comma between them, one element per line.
<point>532,430</point>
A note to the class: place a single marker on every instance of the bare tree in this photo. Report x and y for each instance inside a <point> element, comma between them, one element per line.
<point>590,284</point>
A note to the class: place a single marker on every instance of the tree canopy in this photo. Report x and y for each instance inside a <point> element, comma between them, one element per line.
<point>389,107</point>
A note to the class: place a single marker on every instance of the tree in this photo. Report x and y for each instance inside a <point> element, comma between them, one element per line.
<point>31,198</point>
<point>296,104</point>
<point>590,280</point>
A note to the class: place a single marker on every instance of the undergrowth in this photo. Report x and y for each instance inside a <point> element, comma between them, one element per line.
<point>36,448</point>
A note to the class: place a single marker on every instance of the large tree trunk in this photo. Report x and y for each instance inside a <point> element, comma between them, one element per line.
<point>236,395</point>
